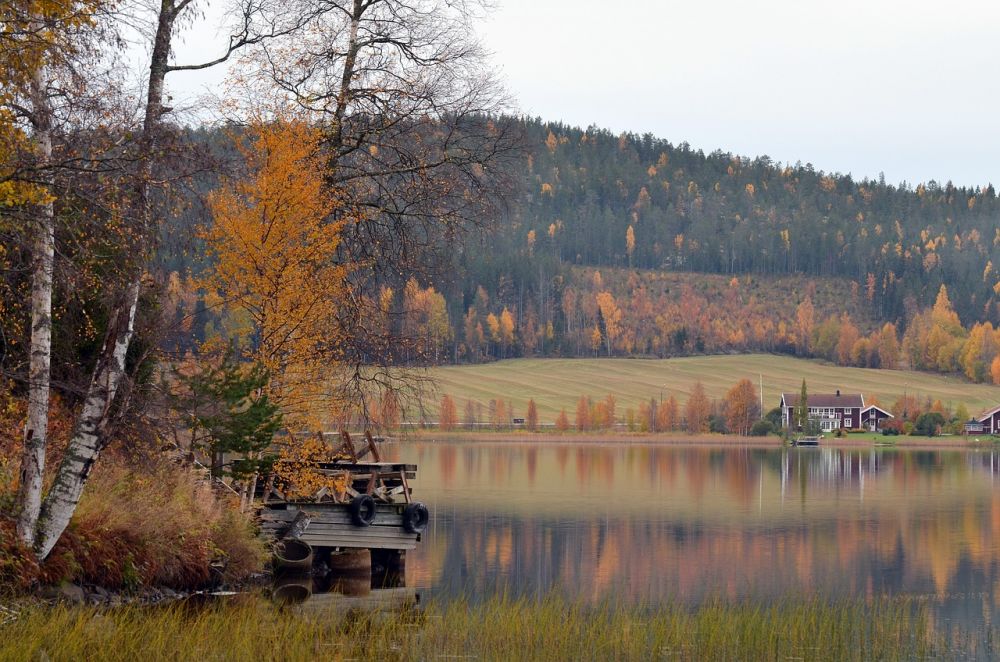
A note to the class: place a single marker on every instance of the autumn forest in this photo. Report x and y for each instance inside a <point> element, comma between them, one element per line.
<point>631,246</point>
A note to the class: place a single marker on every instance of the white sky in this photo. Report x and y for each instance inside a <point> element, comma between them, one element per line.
<point>907,87</point>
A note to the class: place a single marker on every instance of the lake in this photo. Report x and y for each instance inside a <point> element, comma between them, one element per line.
<point>648,523</point>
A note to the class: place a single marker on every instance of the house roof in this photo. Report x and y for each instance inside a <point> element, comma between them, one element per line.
<point>825,399</point>
<point>987,414</point>
<point>870,407</point>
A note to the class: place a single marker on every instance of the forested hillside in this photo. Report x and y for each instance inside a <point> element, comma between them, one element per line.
<point>719,213</point>
<point>630,245</point>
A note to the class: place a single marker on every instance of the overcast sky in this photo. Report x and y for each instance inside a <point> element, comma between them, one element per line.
<point>904,87</point>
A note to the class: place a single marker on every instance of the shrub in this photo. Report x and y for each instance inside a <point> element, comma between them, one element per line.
<point>929,424</point>
<point>761,429</point>
<point>892,426</point>
<point>158,524</point>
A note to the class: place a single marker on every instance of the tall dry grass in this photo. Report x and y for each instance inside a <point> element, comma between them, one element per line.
<point>143,520</point>
<point>497,629</point>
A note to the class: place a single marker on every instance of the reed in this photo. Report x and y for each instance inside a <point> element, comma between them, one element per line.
<point>496,629</point>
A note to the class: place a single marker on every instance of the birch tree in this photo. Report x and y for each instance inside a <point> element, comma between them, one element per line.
<point>42,42</point>
<point>410,112</point>
<point>92,428</point>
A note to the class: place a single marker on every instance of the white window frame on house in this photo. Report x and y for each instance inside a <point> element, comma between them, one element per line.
<point>847,422</point>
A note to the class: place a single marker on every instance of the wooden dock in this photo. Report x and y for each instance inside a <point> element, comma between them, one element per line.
<point>331,526</point>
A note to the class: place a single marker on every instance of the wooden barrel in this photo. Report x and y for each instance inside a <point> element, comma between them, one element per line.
<point>293,556</point>
<point>351,562</point>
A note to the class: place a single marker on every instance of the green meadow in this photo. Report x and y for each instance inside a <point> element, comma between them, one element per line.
<point>556,384</point>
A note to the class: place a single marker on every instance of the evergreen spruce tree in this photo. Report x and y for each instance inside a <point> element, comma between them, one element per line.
<point>802,410</point>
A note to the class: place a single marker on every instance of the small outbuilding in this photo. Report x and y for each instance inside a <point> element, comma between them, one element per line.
<point>872,418</point>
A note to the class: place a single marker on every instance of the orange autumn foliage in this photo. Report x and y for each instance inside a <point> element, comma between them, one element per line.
<point>562,421</point>
<point>531,418</point>
<point>273,244</point>
<point>697,410</point>
<point>448,417</point>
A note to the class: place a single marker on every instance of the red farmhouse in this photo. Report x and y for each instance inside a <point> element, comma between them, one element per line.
<point>835,411</point>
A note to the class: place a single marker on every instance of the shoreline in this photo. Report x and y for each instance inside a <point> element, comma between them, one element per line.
<point>684,439</point>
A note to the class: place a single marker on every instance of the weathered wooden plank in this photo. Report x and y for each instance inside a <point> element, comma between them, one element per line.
<point>373,531</point>
<point>349,529</point>
<point>332,517</point>
<point>390,534</point>
<point>361,543</point>
<point>339,526</point>
<point>367,466</point>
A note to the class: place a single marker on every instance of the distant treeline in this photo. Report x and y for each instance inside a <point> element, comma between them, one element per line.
<point>629,245</point>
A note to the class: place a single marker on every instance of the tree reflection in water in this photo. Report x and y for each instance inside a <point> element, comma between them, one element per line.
<point>647,523</point>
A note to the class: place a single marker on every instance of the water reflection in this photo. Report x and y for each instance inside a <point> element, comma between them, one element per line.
<point>648,523</point>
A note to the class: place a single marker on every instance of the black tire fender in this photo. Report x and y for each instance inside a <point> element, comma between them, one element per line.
<point>362,509</point>
<point>415,517</point>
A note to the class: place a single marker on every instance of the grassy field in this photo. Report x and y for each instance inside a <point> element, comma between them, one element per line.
<point>558,383</point>
<point>497,629</point>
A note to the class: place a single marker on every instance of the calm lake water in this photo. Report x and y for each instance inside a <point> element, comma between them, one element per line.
<point>690,523</point>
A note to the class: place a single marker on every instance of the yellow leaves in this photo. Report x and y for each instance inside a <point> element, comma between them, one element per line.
<point>552,230</point>
<point>531,240</point>
<point>426,315</point>
<point>297,473</point>
<point>750,189</point>
<point>595,339</point>
<point>273,247</point>
<point>546,189</point>
<point>827,183</point>
<point>651,171</point>
<point>386,296</point>
<point>786,239</point>
<point>611,314</point>
<point>551,143</point>
<point>643,200</point>
<point>987,270</point>
<point>493,324</point>
<point>630,241</point>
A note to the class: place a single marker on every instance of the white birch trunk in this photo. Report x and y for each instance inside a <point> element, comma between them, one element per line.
<point>43,250</point>
<point>88,437</point>
<point>89,434</point>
